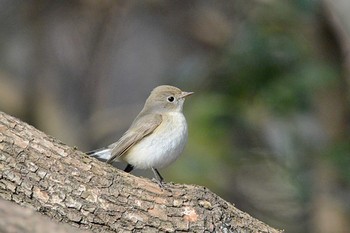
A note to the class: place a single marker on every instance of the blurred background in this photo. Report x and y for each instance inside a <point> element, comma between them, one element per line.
<point>269,121</point>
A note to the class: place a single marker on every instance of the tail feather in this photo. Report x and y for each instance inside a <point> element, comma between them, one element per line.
<point>102,154</point>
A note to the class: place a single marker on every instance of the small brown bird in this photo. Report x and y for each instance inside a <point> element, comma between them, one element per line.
<point>156,137</point>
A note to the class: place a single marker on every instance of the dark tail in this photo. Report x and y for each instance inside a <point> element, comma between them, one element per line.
<point>102,154</point>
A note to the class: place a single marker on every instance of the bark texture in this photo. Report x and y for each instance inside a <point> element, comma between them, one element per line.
<point>40,172</point>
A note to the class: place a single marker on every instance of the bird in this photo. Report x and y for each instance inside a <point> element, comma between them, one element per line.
<point>156,137</point>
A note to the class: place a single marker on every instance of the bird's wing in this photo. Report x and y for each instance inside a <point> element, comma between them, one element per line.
<point>142,127</point>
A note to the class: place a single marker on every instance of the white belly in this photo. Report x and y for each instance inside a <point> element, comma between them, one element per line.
<point>162,147</point>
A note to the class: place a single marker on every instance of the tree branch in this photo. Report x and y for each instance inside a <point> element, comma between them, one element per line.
<point>40,172</point>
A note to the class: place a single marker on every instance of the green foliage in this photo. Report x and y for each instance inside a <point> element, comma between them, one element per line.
<point>270,62</point>
<point>339,155</point>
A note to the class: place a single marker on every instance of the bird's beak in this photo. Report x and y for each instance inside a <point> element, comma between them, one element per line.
<point>185,94</point>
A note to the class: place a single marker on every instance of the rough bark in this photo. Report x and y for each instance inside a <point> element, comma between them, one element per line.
<point>40,172</point>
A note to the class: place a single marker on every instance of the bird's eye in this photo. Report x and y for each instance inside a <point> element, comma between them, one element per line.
<point>171,98</point>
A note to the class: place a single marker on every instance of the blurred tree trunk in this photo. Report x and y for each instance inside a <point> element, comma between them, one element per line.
<point>331,104</point>
<point>39,172</point>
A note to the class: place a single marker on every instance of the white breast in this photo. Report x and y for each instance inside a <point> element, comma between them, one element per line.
<point>163,146</point>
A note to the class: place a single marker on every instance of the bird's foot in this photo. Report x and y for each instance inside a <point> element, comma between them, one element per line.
<point>161,184</point>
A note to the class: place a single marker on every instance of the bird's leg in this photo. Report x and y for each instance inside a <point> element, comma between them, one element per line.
<point>129,168</point>
<point>158,177</point>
